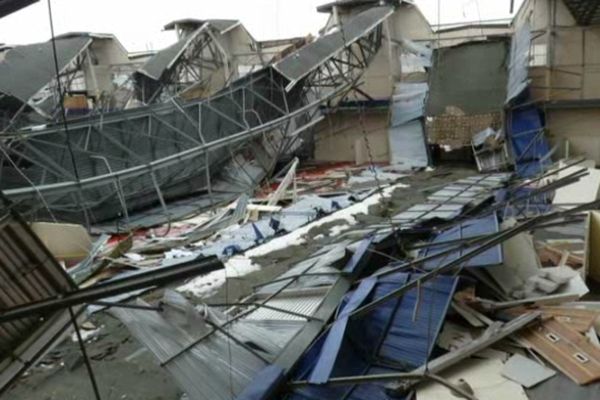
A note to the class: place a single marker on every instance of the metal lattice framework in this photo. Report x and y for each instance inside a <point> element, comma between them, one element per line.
<point>586,12</point>
<point>347,66</point>
<point>201,60</point>
<point>113,164</point>
<point>191,68</point>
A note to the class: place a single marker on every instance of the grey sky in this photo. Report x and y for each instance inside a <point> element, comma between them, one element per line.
<point>138,23</point>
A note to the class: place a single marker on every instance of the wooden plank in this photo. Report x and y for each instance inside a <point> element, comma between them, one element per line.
<point>566,349</point>
<point>578,319</point>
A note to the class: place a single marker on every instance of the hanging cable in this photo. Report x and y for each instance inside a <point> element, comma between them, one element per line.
<point>64,118</point>
<point>86,359</point>
<point>61,93</point>
<point>372,167</point>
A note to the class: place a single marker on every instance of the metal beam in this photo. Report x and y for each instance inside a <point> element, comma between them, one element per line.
<point>144,280</point>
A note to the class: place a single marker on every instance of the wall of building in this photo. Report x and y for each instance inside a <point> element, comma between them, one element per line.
<point>340,138</point>
<point>385,69</point>
<point>99,72</point>
<point>565,57</point>
<point>469,33</point>
<point>579,127</point>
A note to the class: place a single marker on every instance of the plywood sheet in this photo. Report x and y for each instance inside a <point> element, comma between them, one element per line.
<point>566,349</point>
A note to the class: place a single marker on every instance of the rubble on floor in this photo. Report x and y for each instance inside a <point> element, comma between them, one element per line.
<point>461,288</point>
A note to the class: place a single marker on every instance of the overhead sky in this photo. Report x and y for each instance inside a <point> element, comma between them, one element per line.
<point>138,23</point>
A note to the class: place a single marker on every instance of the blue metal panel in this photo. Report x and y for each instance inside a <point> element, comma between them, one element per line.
<point>360,256</point>
<point>400,331</point>
<point>333,343</point>
<point>264,385</point>
<point>466,230</point>
<point>417,321</point>
<point>526,134</point>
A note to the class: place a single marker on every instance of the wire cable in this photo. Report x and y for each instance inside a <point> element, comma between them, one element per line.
<point>61,93</point>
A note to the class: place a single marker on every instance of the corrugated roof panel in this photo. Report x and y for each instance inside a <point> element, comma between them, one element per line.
<point>297,65</point>
<point>164,59</point>
<point>305,305</point>
<point>28,273</point>
<point>466,230</point>
<point>398,332</point>
<point>25,70</point>
<point>414,320</point>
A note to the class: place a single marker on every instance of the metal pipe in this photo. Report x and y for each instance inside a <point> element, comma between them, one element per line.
<point>112,288</point>
<point>86,359</point>
<point>498,239</point>
<point>353,380</point>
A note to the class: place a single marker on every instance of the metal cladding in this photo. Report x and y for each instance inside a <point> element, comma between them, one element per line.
<point>29,274</point>
<point>298,65</point>
<point>133,159</point>
<point>25,70</point>
<point>118,163</point>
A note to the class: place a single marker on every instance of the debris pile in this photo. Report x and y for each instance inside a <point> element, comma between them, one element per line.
<point>172,225</point>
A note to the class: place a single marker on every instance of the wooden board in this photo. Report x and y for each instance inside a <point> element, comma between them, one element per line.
<point>566,349</point>
<point>578,319</point>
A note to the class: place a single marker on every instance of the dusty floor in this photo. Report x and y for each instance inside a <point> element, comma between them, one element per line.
<point>124,370</point>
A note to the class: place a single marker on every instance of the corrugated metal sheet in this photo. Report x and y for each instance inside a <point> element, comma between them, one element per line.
<point>422,212</point>
<point>25,70</point>
<point>530,148</point>
<point>392,334</point>
<point>164,59</point>
<point>310,57</point>
<point>472,190</point>
<point>465,230</point>
<point>408,144</point>
<point>409,102</point>
<point>28,273</point>
<point>305,305</point>
<point>518,69</point>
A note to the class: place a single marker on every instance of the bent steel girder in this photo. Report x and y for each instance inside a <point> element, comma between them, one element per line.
<point>144,149</point>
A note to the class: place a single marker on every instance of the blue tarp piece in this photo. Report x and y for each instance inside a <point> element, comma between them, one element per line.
<point>466,230</point>
<point>398,333</point>
<point>529,145</point>
<point>264,385</point>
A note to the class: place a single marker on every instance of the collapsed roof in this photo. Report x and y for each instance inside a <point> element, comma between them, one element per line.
<point>25,70</point>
